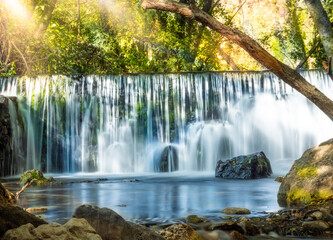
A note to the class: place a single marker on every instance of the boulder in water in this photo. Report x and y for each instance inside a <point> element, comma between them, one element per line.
<point>166,159</point>
<point>310,178</point>
<point>250,166</point>
<point>35,176</point>
<point>111,226</point>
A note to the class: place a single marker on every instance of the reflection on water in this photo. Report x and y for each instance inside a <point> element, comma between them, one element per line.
<point>153,198</point>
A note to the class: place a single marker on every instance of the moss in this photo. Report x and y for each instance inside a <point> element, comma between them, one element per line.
<point>299,195</point>
<point>35,175</point>
<point>325,193</point>
<point>307,172</point>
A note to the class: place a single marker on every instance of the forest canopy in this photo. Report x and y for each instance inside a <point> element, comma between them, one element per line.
<point>118,36</point>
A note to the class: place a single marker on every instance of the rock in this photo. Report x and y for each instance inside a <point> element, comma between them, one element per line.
<point>315,227</point>
<point>249,228</point>
<point>194,219</point>
<point>234,235</point>
<point>229,226</point>
<point>251,166</point>
<point>274,235</point>
<point>279,179</point>
<point>180,231</point>
<point>111,226</point>
<point>14,216</point>
<point>166,159</point>
<point>236,211</point>
<point>36,210</point>
<point>317,215</point>
<point>74,229</point>
<point>6,197</point>
<point>214,235</point>
<point>36,176</point>
<point>310,178</point>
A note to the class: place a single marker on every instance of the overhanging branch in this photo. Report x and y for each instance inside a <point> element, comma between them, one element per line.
<point>284,72</point>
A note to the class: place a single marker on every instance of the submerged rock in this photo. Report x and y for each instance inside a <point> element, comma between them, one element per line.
<point>74,229</point>
<point>111,226</point>
<point>310,178</point>
<point>250,166</point>
<point>194,219</point>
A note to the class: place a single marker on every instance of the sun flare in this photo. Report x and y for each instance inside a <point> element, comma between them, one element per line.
<point>16,8</point>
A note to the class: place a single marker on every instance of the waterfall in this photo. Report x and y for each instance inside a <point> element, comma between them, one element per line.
<point>162,122</point>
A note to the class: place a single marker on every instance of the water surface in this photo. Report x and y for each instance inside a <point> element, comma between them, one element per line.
<point>151,198</point>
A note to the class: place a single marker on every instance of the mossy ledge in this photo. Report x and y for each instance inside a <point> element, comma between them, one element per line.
<point>310,179</point>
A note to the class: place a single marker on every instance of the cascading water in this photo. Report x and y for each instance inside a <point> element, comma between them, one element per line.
<point>146,123</point>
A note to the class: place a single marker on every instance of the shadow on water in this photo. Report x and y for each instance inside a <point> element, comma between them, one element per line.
<point>151,198</point>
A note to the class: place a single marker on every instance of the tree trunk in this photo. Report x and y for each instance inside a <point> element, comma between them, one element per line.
<point>48,15</point>
<point>287,74</point>
<point>322,23</point>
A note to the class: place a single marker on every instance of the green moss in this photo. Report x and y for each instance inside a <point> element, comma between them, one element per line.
<point>325,193</point>
<point>307,172</point>
<point>303,196</point>
<point>36,176</point>
<point>299,195</point>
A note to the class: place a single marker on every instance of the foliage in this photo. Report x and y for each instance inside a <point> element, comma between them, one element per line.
<point>118,36</point>
<point>6,71</point>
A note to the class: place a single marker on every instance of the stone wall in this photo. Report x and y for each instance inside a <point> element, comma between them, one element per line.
<point>6,151</point>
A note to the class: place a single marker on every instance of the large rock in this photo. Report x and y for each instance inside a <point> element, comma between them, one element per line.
<point>310,178</point>
<point>111,226</point>
<point>74,229</point>
<point>251,166</point>
<point>166,159</point>
<point>14,216</point>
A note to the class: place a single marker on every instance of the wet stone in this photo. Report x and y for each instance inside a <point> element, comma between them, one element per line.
<point>236,211</point>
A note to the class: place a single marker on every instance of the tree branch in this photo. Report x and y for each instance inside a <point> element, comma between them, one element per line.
<point>23,58</point>
<point>24,187</point>
<point>284,72</point>
<point>308,55</point>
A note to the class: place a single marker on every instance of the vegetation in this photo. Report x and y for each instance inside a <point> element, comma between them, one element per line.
<point>118,36</point>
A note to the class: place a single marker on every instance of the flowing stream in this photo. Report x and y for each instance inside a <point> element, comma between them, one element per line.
<point>161,122</point>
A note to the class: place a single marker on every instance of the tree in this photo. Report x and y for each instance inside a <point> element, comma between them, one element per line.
<point>284,72</point>
<point>322,23</point>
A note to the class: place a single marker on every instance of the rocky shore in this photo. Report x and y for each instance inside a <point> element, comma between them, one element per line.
<point>306,192</point>
<point>90,222</point>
